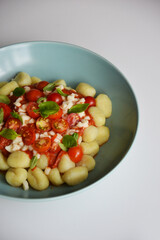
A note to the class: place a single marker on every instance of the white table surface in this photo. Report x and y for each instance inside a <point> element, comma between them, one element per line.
<point>126,204</point>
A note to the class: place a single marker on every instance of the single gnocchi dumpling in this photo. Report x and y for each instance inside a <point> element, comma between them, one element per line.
<point>55,177</point>
<point>65,163</point>
<point>37,179</point>
<point>75,175</point>
<point>18,159</point>
<point>3,162</point>
<point>16,176</point>
<point>91,148</point>
<point>90,134</point>
<point>2,83</point>
<point>35,80</point>
<point>8,88</point>
<point>103,135</point>
<point>97,115</point>
<point>86,90</point>
<point>104,103</point>
<point>42,161</point>
<point>60,82</point>
<point>88,162</point>
<point>23,79</point>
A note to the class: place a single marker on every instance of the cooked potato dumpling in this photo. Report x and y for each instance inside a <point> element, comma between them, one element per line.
<point>18,159</point>
<point>55,177</point>
<point>3,162</point>
<point>37,179</point>
<point>23,79</point>
<point>90,134</point>
<point>75,175</point>
<point>16,176</point>
<point>98,116</point>
<point>88,162</point>
<point>65,163</point>
<point>85,89</point>
<point>2,83</point>
<point>8,88</point>
<point>42,161</point>
<point>60,82</point>
<point>35,80</point>
<point>104,103</point>
<point>103,135</point>
<point>91,148</point>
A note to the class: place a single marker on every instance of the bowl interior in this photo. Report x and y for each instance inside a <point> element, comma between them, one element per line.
<point>50,61</point>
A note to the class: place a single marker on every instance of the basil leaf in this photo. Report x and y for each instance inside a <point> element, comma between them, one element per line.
<point>61,92</point>
<point>63,147</point>
<point>18,91</point>
<point>4,99</point>
<point>78,108</point>
<point>75,135</point>
<point>1,115</point>
<point>41,99</point>
<point>33,162</point>
<point>49,87</point>
<point>9,134</point>
<point>69,141</point>
<point>48,108</point>
<point>16,115</point>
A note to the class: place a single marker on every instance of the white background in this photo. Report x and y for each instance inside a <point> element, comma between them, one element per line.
<point>126,204</point>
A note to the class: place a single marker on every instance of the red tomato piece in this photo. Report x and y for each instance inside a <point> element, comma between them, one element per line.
<point>51,158</point>
<point>58,159</point>
<point>29,153</point>
<point>30,110</point>
<point>4,142</point>
<point>42,144</point>
<point>33,95</point>
<point>55,97</point>
<point>54,145</point>
<point>68,92</point>
<point>91,101</point>
<point>6,110</point>
<point>75,153</point>
<point>59,125</point>
<point>13,123</point>
<point>41,85</point>
<point>43,124</point>
<point>56,115</point>
<point>28,135</point>
<point>73,119</point>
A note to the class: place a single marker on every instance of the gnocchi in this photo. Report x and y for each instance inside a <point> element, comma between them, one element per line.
<point>53,132</point>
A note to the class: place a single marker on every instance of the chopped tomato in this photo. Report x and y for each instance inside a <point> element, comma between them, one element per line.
<point>41,85</point>
<point>42,144</point>
<point>54,145</point>
<point>58,159</point>
<point>29,153</point>
<point>75,153</point>
<point>91,101</point>
<point>51,158</point>
<point>59,125</point>
<point>73,119</point>
<point>33,95</point>
<point>28,135</point>
<point>43,124</point>
<point>56,115</point>
<point>55,97</point>
<point>30,110</point>
<point>6,110</point>
<point>68,92</point>
<point>13,123</point>
<point>4,142</point>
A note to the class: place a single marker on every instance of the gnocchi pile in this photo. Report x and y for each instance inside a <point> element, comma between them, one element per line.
<point>50,133</point>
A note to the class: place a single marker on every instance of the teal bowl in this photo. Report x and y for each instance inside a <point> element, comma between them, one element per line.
<point>54,60</point>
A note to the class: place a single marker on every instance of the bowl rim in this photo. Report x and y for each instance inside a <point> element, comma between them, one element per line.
<point>78,191</point>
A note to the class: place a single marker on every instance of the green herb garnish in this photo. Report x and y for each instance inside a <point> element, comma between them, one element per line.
<point>63,147</point>
<point>49,87</point>
<point>41,99</point>
<point>18,91</point>
<point>1,115</point>
<point>61,92</point>
<point>4,99</point>
<point>16,115</point>
<point>33,162</point>
<point>48,108</point>
<point>69,141</point>
<point>78,108</point>
<point>9,134</point>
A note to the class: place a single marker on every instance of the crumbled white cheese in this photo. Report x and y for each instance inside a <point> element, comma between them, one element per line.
<point>27,89</point>
<point>16,145</point>
<point>47,170</point>
<point>25,148</point>
<point>30,148</point>
<point>60,86</point>
<point>37,136</point>
<point>34,152</point>
<point>38,155</point>
<point>83,123</point>
<point>81,101</point>
<point>72,97</point>
<point>25,185</point>
<point>24,106</point>
<point>47,92</point>
<point>52,133</point>
<point>45,134</point>
<point>82,114</point>
<point>31,120</point>
<point>71,131</point>
<point>17,103</point>
<point>25,119</point>
<point>87,118</point>
<point>58,138</point>
<point>11,94</point>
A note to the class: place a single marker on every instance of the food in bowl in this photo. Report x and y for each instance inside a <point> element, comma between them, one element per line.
<point>50,133</point>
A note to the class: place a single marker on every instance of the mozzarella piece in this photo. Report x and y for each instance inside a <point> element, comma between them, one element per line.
<point>47,170</point>
<point>16,145</point>
<point>27,89</point>
<point>17,103</point>
<point>58,138</point>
